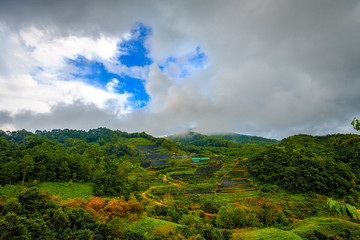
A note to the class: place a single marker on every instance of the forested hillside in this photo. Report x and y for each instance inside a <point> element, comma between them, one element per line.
<point>105,184</point>
<point>327,165</point>
<point>96,156</point>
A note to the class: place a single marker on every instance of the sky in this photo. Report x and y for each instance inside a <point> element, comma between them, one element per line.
<point>271,68</point>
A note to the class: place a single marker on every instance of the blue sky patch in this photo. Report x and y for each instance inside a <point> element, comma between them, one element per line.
<point>96,74</point>
<point>134,53</point>
<point>135,48</point>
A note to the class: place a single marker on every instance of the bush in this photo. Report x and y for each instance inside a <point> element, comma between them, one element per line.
<point>267,188</point>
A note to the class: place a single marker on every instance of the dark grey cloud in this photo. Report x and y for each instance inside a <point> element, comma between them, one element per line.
<point>5,117</point>
<point>276,68</point>
<point>74,17</point>
<point>77,115</point>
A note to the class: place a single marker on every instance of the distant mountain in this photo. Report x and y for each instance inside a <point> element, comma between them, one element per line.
<point>200,140</point>
<point>243,139</point>
<point>223,140</point>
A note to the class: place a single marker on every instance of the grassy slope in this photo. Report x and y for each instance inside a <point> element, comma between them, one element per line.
<point>324,228</point>
<point>135,141</point>
<point>266,233</point>
<point>147,225</point>
<point>310,228</point>
<point>187,171</point>
<point>66,190</point>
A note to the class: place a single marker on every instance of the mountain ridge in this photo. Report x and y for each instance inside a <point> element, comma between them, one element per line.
<point>190,137</point>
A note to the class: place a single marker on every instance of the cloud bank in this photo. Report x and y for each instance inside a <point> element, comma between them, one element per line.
<point>269,68</point>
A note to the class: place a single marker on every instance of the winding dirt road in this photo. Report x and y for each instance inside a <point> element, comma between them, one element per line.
<point>144,196</point>
<point>153,187</point>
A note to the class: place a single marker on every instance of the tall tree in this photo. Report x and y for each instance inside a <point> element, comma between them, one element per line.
<point>27,165</point>
<point>10,171</point>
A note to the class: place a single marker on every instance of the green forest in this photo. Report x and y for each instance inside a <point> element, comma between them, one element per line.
<point>106,184</point>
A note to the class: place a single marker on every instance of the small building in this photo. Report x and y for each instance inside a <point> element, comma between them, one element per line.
<point>199,160</point>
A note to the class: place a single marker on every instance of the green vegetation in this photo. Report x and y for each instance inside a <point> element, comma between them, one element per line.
<point>186,171</point>
<point>208,145</point>
<point>344,209</point>
<point>68,190</point>
<point>356,124</point>
<point>104,184</point>
<point>267,233</point>
<point>34,215</point>
<point>99,156</point>
<point>148,225</point>
<point>327,228</point>
<point>327,165</point>
<point>244,139</point>
<point>9,191</point>
<point>310,228</point>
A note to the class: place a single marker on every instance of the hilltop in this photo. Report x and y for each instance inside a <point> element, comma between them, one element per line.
<point>244,139</point>
<point>197,139</point>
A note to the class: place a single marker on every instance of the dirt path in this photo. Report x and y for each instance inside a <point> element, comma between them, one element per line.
<point>153,187</point>
<point>295,219</point>
<point>173,183</point>
<point>144,196</point>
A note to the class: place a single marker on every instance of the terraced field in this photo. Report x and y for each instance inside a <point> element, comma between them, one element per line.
<point>235,180</point>
<point>193,181</point>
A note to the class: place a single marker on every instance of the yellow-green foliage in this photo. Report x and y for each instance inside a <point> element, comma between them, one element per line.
<point>68,190</point>
<point>147,224</point>
<point>266,233</point>
<point>187,171</point>
<point>310,228</point>
<point>135,141</point>
<point>327,228</point>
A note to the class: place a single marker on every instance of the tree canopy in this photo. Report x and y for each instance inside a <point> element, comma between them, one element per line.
<point>356,124</point>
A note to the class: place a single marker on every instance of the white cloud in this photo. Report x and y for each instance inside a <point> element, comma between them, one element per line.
<point>22,92</point>
<point>111,85</point>
<point>114,66</point>
<point>178,67</point>
<point>50,50</point>
<point>276,67</point>
<point>31,49</point>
